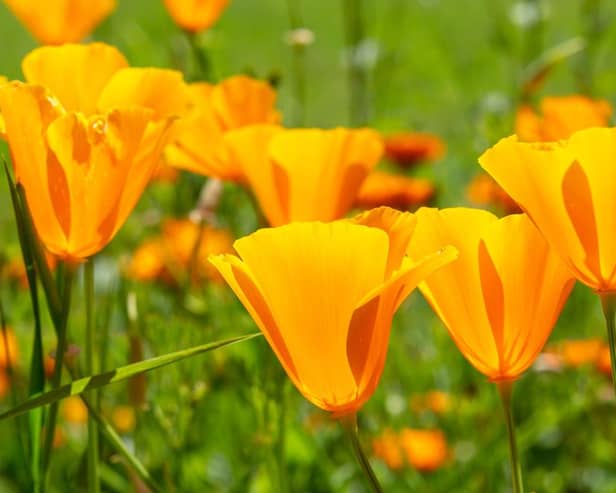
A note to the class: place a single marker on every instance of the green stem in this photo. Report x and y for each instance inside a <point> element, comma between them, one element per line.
<point>608,303</point>
<point>88,281</point>
<point>505,391</point>
<point>298,64</point>
<point>359,104</point>
<point>349,423</point>
<point>203,66</point>
<point>59,363</point>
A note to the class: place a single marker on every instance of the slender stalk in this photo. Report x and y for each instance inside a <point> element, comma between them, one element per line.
<point>608,303</point>
<point>349,424</point>
<point>50,425</point>
<point>359,104</point>
<point>203,66</point>
<point>93,472</point>
<point>298,52</point>
<point>505,391</point>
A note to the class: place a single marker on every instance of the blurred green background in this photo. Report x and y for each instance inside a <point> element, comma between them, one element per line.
<point>229,420</point>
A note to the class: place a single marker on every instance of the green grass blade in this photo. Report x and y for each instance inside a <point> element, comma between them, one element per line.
<point>117,375</point>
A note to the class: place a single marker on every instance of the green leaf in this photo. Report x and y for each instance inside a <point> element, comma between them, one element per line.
<point>117,375</point>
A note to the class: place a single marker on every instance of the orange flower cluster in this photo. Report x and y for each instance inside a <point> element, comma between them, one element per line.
<point>86,133</point>
<point>424,450</point>
<point>170,256</point>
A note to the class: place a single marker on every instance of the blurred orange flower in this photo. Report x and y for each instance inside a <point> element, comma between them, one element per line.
<point>195,15</point>
<point>579,352</point>
<point>9,349</point>
<point>123,418</point>
<point>436,401</point>
<point>483,190</point>
<point>304,174</point>
<point>85,135</point>
<point>501,299</point>
<point>407,149</point>
<point>567,189</point>
<point>604,362</point>
<point>324,295</point>
<point>168,256</point>
<point>214,110</point>
<point>54,22</point>
<point>74,410</point>
<point>425,450</point>
<point>5,384</point>
<point>387,447</point>
<point>396,191</point>
<point>560,117</point>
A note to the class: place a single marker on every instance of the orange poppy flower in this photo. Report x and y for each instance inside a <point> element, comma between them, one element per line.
<point>560,117</point>
<point>195,15</point>
<point>213,110</point>
<point>85,136</point>
<point>604,361</point>
<point>500,300</point>
<point>425,450</point>
<point>396,191</point>
<point>324,295</point>
<point>54,22</point>
<point>407,149</point>
<point>387,447</point>
<point>566,189</point>
<point>168,256</point>
<point>304,174</point>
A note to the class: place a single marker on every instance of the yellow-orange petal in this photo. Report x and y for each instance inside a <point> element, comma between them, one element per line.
<point>28,110</point>
<point>396,191</point>
<point>248,150</point>
<point>565,188</point>
<point>399,226</point>
<point>161,90</point>
<point>339,160</point>
<point>387,448</point>
<point>55,22</point>
<point>195,15</point>
<point>9,349</point>
<point>147,262</point>
<point>75,74</point>
<point>74,410</point>
<point>240,101</point>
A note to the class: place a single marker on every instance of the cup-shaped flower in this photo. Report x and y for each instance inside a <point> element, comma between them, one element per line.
<point>54,22</point>
<point>567,189</point>
<point>85,138</point>
<point>324,295</point>
<point>304,174</point>
<point>213,110</point>
<point>195,15</point>
<point>502,297</point>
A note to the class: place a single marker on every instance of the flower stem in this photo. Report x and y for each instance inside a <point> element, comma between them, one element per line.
<point>62,319</point>
<point>608,303</point>
<point>359,102</point>
<point>349,423</point>
<point>88,281</point>
<point>505,390</point>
